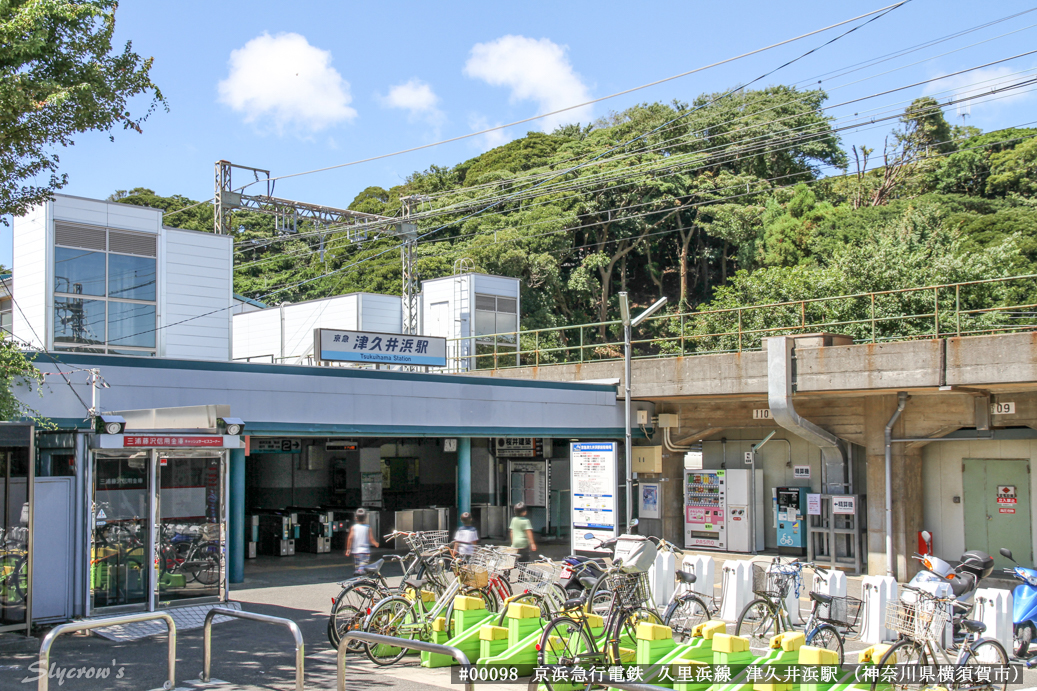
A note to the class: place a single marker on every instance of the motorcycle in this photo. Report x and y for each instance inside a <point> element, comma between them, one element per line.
<point>1024,605</point>
<point>580,573</point>
<point>963,579</point>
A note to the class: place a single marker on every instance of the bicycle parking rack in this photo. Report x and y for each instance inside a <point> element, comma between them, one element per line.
<point>72,627</point>
<point>409,644</point>
<point>251,616</point>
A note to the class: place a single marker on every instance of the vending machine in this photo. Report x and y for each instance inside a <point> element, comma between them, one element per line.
<point>790,520</point>
<point>705,509</point>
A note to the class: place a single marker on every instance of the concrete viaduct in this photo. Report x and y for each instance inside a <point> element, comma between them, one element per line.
<point>851,392</point>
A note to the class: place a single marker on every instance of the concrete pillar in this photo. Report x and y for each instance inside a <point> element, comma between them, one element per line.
<point>907,489</point>
<point>236,529</point>
<point>464,475</point>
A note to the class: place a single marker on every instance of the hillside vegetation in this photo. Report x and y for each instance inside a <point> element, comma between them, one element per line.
<point>716,204</point>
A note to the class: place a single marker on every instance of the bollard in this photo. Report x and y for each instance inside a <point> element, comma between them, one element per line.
<point>704,568</point>
<point>876,592</point>
<point>661,576</point>
<point>737,589</point>
<point>939,589</point>
<point>994,608</point>
<point>832,583</point>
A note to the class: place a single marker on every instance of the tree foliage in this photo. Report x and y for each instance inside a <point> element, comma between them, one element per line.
<point>60,77</point>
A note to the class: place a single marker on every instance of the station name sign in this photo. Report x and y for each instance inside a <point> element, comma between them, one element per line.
<point>373,348</point>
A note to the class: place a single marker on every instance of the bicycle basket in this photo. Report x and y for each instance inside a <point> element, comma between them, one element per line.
<point>426,542</point>
<point>771,583</point>
<point>924,621</point>
<point>841,611</point>
<point>491,559</point>
<point>630,589</point>
<point>537,577</point>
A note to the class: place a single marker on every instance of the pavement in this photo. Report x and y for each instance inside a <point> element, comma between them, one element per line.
<point>261,656</point>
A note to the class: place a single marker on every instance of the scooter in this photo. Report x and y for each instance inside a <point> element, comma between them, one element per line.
<point>963,578</point>
<point>1024,605</point>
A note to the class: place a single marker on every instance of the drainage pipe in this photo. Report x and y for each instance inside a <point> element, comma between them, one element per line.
<point>901,402</point>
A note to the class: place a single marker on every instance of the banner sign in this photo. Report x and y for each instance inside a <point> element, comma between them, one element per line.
<point>594,481</point>
<point>372,348</point>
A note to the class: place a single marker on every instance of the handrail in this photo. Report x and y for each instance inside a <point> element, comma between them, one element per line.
<point>408,643</point>
<point>89,624</point>
<point>251,616</point>
<point>943,318</point>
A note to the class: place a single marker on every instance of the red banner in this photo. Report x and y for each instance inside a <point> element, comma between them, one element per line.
<point>171,441</point>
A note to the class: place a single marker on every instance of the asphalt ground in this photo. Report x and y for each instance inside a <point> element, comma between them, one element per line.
<point>260,656</point>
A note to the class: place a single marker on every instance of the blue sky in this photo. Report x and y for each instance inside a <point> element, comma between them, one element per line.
<point>294,87</point>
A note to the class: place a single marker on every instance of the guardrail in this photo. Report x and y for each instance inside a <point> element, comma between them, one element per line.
<point>251,616</point>
<point>996,305</point>
<point>367,637</point>
<point>87,625</point>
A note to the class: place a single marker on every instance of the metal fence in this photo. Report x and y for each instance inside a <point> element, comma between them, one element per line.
<point>998,305</point>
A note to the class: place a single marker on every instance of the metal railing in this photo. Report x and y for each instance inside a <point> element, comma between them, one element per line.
<point>251,616</point>
<point>989,306</point>
<point>407,643</point>
<point>87,625</point>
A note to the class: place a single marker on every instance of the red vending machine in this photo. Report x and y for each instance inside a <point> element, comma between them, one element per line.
<point>705,508</point>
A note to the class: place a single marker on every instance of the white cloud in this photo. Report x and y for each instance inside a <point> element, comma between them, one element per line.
<point>489,140</point>
<point>534,71</point>
<point>418,99</point>
<point>284,80</point>
<point>977,86</point>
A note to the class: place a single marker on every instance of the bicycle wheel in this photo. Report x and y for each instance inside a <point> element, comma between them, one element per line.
<point>208,571</point>
<point>828,637</point>
<point>393,616</point>
<point>525,599</point>
<point>489,602</point>
<point>986,651</point>
<point>904,652</point>
<point>349,609</point>
<point>624,632</point>
<point>683,615</point>
<point>566,643</point>
<point>14,580</point>
<point>759,622</point>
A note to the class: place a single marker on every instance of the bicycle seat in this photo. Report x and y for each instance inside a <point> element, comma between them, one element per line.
<point>821,598</point>
<point>574,602</point>
<point>416,583</point>
<point>973,626</point>
<point>588,581</point>
<point>685,576</point>
<point>374,567</point>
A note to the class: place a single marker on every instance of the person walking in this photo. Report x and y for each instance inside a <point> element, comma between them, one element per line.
<point>359,541</point>
<point>522,534</point>
<point>466,537</point>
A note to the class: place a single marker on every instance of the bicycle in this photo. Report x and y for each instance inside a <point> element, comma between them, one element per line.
<point>569,639</point>
<point>920,625</point>
<point>197,557</point>
<point>411,615</point>
<point>14,571</point>
<point>768,616</point>
<point>539,584</point>
<point>368,586</point>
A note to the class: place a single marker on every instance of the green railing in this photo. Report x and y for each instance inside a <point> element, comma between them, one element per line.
<point>937,311</point>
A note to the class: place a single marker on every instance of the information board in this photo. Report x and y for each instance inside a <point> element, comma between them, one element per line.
<point>594,481</point>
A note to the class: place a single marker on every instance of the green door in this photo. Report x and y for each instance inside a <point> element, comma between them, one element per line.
<point>997,508</point>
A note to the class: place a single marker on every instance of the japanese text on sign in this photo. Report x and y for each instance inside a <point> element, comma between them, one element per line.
<point>844,504</point>
<point>166,440</point>
<point>379,348</point>
<point>593,469</point>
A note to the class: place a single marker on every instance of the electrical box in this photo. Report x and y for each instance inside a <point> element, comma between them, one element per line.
<point>642,417</point>
<point>670,420</point>
<point>647,459</point>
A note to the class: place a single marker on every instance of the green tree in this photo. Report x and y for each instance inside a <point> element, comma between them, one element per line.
<point>59,77</point>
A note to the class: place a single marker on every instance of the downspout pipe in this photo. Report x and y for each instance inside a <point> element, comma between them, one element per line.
<point>783,412</point>
<point>901,402</point>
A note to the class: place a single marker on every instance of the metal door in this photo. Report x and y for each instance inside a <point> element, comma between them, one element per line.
<point>997,508</point>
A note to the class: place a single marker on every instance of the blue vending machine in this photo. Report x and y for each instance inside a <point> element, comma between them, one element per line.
<point>791,521</point>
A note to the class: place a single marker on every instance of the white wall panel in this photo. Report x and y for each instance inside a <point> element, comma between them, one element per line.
<point>32,287</point>
<point>198,274</point>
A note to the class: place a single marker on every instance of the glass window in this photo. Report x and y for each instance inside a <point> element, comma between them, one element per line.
<point>131,324</point>
<point>78,271</point>
<point>506,322</point>
<point>132,278</point>
<point>78,321</point>
<point>484,323</point>
<point>135,353</point>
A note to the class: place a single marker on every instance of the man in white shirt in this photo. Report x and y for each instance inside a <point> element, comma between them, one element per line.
<point>466,536</point>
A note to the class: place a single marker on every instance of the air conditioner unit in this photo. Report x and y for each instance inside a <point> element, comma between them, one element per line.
<point>341,445</point>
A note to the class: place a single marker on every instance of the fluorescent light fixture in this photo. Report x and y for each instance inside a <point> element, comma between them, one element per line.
<point>624,309</point>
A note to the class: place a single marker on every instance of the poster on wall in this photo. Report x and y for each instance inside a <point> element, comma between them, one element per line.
<point>649,494</point>
<point>594,482</point>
